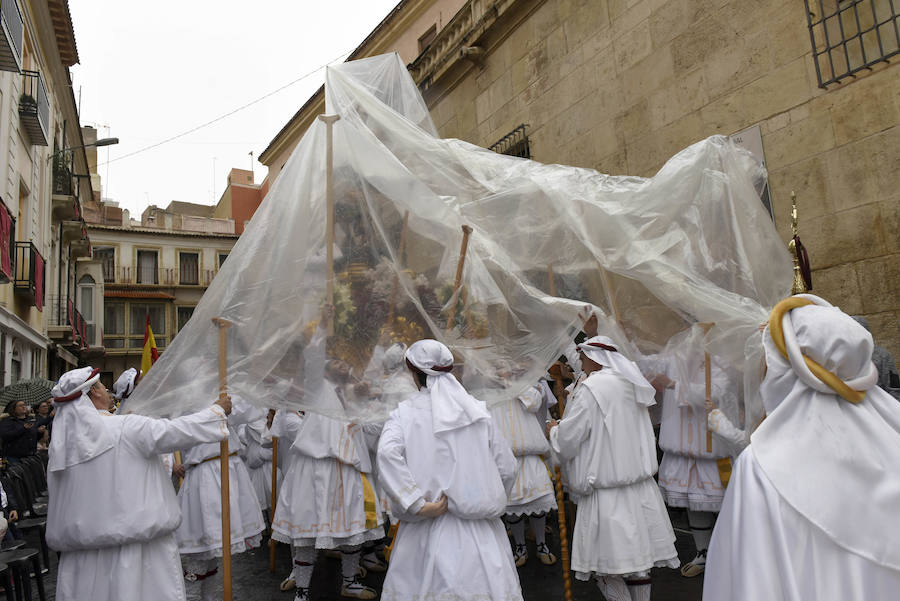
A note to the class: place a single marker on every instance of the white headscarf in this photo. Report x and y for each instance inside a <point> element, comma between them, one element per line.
<point>602,350</point>
<point>124,386</point>
<point>833,461</point>
<point>451,406</point>
<point>79,433</point>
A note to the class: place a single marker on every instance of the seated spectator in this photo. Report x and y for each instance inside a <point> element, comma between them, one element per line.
<point>44,413</point>
<point>18,432</point>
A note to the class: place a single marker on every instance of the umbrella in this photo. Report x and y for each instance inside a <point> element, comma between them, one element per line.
<point>32,391</point>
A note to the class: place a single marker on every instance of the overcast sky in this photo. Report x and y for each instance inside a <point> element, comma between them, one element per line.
<point>152,70</point>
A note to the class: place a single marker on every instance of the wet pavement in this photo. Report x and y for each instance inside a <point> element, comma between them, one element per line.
<point>252,580</point>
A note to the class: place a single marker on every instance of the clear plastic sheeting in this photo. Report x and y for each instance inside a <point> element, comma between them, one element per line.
<point>691,244</point>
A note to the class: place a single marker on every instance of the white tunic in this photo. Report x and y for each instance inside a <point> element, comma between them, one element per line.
<point>113,517</point>
<point>259,460</point>
<point>688,473</point>
<point>200,495</point>
<point>323,499</point>
<point>606,447</point>
<point>532,492</point>
<point>465,554</point>
<point>762,548</point>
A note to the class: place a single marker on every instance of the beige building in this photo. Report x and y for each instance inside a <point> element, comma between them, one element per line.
<point>159,267</point>
<point>622,85</point>
<point>43,183</point>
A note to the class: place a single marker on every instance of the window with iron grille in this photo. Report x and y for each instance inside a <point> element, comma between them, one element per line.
<point>106,256</point>
<point>188,268</point>
<point>515,143</point>
<point>849,36</point>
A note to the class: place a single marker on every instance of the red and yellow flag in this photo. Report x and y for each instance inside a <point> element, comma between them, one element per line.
<point>150,354</point>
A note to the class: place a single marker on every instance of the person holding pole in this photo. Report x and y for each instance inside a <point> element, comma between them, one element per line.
<point>448,471</point>
<point>606,447</point>
<point>327,500</point>
<point>112,511</point>
<point>532,494</point>
<point>200,533</point>
<point>689,473</point>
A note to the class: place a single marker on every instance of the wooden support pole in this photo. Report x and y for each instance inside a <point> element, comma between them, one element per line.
<point>329,214</point>
<point>708,397</point>
<point>401,263</point>
<point>223,325</point>
<point>178,461</point>
<point>610,294</point>
<point>708,374</point>
<point>467,231</point>
<point>272,504</point>
<point>561,503</point>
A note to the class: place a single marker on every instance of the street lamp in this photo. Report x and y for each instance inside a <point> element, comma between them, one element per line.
<point>96,144</point>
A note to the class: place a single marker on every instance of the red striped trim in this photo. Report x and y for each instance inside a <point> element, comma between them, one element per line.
<point>605,347</point>
<point>74,395</point>
<point>443,368</point>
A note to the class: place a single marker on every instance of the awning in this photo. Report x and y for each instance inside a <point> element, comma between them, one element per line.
<point>137,294</point>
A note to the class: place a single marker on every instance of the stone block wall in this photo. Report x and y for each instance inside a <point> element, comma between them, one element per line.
<point>622,85</point>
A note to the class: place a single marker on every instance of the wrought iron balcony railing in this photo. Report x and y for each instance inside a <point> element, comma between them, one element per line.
<point>34,108</point>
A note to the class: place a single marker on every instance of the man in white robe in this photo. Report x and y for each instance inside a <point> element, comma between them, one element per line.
<point>327,500</point>
<point>448,471</point>
<point>532,494</point>
<point>199,535</point>
<point>811,508</point>
<point>112,509</point>
<point>607,451</point>
<point>689,473</point>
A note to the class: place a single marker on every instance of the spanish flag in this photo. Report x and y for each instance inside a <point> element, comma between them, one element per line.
<point>150,354</point>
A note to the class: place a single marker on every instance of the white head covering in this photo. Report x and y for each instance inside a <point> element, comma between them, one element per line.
<point>602,350</point>
<point>79,433</point>
<point>124,386</point>
<point>451,406</point>
<point>833,461</point>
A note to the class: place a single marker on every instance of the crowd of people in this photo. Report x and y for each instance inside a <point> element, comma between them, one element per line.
<point>440,494</point>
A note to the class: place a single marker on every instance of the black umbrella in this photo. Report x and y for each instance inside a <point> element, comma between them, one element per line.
<point>33,392</point>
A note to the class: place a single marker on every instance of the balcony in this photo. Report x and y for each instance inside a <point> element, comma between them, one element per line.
<point>80,247</point>
<point>34,109</point>
<point>65,193</point>
<point>163,276</point>
<point>13,28</point>
<point>29,271</point>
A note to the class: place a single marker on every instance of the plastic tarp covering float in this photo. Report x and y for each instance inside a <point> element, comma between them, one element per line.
<point>650,257</point>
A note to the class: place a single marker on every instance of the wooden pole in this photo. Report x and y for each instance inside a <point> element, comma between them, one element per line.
<point>560,501</point>
<point>610,296</point>
<point>329,215</point>
<point>708,375</point>
<point>467,231</point>
<point>401,262</point>
<point>223,325</point>
<point>708,396</point>
<point>272,505</point>
<point>178,462</point>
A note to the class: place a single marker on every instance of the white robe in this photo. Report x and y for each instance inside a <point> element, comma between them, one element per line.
<point>200,495</point>
<point>113,517</point>
<point>465,554</point>
<point>532,493</point>
<point>322,502</point>
<point>606,447</point>
<point>259,461</point>
<point>762,548</point>
<point>689,474</point>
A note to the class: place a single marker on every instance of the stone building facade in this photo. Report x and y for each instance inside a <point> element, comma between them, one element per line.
<point>622,85</point>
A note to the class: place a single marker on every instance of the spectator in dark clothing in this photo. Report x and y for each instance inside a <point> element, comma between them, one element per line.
<point>10,510</point>
<point>18,432</point>
<point>44,423</point>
